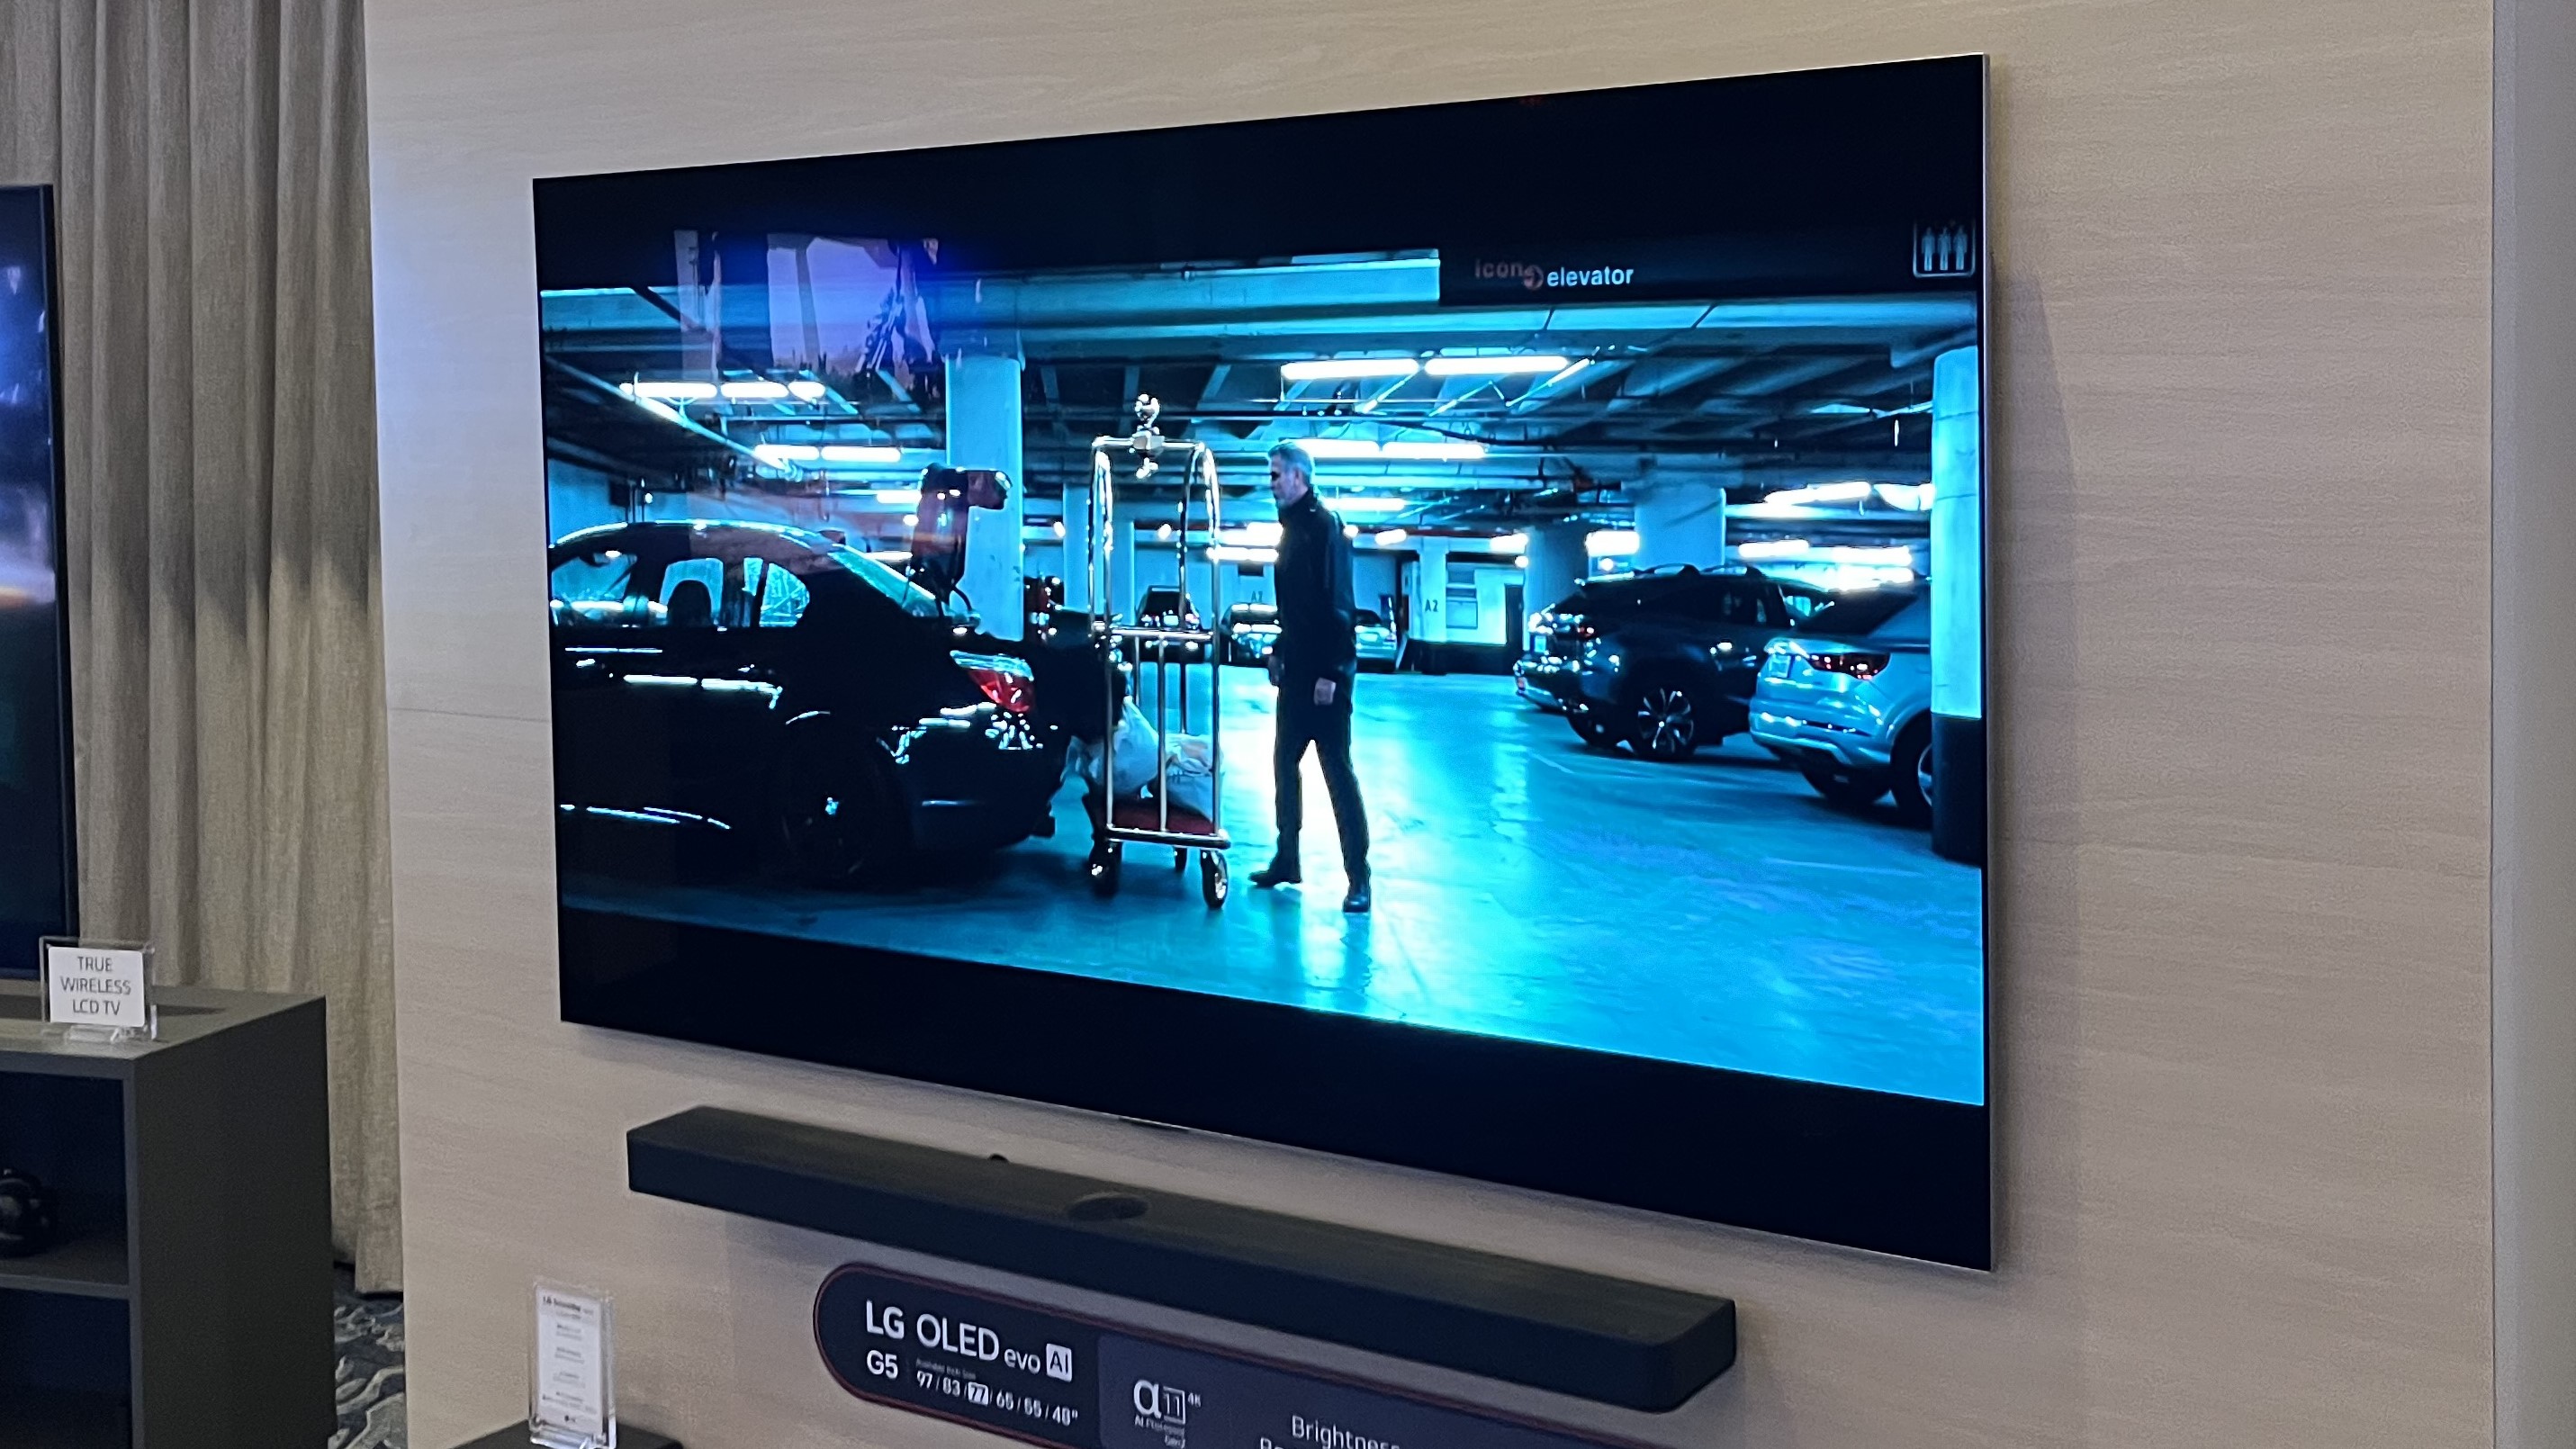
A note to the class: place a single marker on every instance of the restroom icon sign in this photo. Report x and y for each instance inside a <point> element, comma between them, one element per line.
<point>1946,250</point>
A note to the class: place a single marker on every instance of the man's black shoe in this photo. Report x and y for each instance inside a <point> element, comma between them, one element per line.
<point>1357,901</point>
<point>1275,874</point>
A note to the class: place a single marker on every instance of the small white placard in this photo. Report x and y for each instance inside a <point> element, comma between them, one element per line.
<point>100,986</point>
<point>569,1398</point>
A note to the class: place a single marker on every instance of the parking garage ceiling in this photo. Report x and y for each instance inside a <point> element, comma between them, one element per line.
<point>1502,412</point>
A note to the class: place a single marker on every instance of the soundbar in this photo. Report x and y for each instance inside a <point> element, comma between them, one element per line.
<point>1605,1339</point>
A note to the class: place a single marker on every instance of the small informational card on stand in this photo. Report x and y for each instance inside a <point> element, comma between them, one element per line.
<point>99,990</point>
<point>572,1400</point>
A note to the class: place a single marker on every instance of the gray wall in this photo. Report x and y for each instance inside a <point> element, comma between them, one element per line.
<point>2242,553</point>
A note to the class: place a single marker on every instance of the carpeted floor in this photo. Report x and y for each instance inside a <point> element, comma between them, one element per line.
<point>370,1334</point>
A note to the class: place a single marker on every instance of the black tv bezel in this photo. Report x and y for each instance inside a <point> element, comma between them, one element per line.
<point>65,776</point>
<point>1876,1171</point>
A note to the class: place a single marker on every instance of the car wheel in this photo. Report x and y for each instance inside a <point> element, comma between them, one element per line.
<point>1213,882</point>
<point>1912,772</point>
<point>840,815</point>
<point>1102,868</point>
<point>1667,724</point>
<point>1594,730</point>
<point>1850,789</point>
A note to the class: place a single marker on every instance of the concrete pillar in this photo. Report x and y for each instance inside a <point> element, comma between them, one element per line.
<point>1680,521</point>
<point>1556,565</point>
<point>1958,569</point>
<point>1077,548</point>
<point>1431,591</point>
<point>984,432</point>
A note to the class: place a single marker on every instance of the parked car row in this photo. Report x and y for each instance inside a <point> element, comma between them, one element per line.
<point>1252,631</point>
<point>735,695</point>
<point>1669,661</point>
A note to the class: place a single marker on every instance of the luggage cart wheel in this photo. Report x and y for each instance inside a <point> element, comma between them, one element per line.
<point>1103,868</point>
<point>1212,881</point>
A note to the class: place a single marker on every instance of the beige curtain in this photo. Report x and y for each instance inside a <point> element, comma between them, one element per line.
<point>209,159</point>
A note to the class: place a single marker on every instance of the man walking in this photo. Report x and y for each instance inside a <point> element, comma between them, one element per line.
<point>1313,664</point>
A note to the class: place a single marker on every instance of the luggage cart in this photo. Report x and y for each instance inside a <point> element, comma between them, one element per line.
<point>1116,822</point>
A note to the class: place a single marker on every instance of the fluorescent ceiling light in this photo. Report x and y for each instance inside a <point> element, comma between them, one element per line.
<point>779,455</point>
<point>1443,451</point>
<point>1774,548</point>
<point>849,453</point>
<point>1338,447</point>
<point>1610,542</point>
<point>669,391</point>
<point>1912,497</point>
<point>1370,505</point>
<point>1821,493</point>
<point>757,390</point>
<point>1227,553</point>
<point>1390,538</point>
<point>904,496</point>
<point>1857,410</point>
<point>806,389</point>
<point>1260,533</point>
<point>1509,365</point>
<point>1330,369</point>
<point>1897,555</point>
<point>1508,543</point>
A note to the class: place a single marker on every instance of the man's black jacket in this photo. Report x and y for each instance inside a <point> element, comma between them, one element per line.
<point>1316,616</point>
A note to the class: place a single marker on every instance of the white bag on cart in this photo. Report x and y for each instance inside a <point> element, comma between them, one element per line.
<point>1190,781</point>
<point>1131,754</point>
<point>1190,778</point>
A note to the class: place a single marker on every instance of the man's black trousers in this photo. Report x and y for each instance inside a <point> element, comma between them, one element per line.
<point>1327,727</point>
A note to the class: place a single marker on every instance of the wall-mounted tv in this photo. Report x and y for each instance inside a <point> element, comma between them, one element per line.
<point>1565,512</point>
<point>35,686</point>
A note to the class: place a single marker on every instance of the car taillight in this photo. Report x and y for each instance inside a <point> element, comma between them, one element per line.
<point>1858,666</point>
<point>1584,629</point>
<point>1005,681</point>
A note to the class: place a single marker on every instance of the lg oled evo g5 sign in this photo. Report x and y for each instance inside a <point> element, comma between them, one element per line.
<point>1062,1381</point>
<point>1622,576</point>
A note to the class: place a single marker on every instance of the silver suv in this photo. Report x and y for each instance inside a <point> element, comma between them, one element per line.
<point>1848,699</point>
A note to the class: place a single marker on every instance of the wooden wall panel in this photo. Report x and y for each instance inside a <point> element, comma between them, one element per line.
<point>2241,569</point>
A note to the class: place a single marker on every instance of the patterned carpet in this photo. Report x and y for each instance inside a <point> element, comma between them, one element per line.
<point>370,1333</point>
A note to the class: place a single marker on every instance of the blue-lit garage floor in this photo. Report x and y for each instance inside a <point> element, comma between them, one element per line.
<point>1715,912</point>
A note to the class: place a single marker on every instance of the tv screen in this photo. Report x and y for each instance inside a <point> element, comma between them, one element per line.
<point>1452,635</point>
<point>35,785</point>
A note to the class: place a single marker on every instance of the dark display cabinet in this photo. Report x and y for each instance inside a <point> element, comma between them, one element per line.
<point>186,1301</point>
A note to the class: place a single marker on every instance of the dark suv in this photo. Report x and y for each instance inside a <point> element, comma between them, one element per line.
<point>740,690</point>
<point>1662,661</point>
